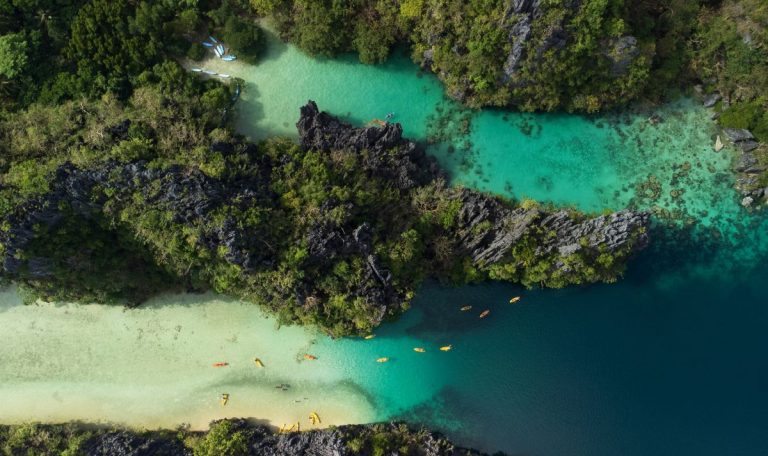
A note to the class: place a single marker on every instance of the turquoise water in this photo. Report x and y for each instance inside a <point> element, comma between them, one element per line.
<point>672,360</point>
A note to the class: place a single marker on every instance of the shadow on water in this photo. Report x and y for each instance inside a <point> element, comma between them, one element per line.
<point>250,113</point>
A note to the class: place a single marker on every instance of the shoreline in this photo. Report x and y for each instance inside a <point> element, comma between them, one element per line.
<point>151,366</point>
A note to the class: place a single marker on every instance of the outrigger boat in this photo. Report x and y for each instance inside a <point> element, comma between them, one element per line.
<point>382,360</point>
<point>515,299</point>
<point>258,362</point>
<point>309,357</point>
<point>466,308</point>
<point>485,313</point>
<point>224,399</point>
<point>419,350</point>
<point>446,348</point>
<point>220,364</point>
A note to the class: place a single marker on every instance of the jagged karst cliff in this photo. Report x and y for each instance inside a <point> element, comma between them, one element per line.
<point>337,231</point>
<point>234,437</point>
<point>534,55</point>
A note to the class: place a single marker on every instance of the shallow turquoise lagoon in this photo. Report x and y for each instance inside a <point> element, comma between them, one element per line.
<point>672,360</point>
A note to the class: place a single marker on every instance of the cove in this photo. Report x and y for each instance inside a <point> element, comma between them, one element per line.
<point>671,360</point>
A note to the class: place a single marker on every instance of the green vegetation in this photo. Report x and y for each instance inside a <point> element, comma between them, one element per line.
<point>124,199</point>
<point>53,51</point>
<point>559,55</point>
<point>121,177</point>
<point>35,439</point>
<point>231,437</point>
<point>731,54</point>
<point>224,438</point>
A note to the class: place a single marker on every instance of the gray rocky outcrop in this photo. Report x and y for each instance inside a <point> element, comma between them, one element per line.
<point>125,443</point>
<point>489,228</point>
<point>387,154</point>
<point>711,100</point>
<point>521,17</point>
<point>623,51</point>
<point>606,233</point>
<point>738,134</point>
<point>259,440</point>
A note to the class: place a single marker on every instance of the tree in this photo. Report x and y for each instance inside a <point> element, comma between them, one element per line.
<point>13,55</point>
<point>243,37</point>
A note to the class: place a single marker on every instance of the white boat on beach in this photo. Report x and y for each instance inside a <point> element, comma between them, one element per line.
<point>225,76</point>
<point>211,72</point>
<point>197,70</point>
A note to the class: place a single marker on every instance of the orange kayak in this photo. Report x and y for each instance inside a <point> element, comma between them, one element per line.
<point>310,357</point>
<point>485,313</point>
<point>221,364</point>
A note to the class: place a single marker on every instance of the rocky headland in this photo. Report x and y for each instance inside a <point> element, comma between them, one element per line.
<point>337,231</point>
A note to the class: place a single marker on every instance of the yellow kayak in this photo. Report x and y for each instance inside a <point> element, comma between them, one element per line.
<point>446,348</point>
<point>224,399</point>
<point>515,299</point>
<point>466,308</point>
<point>314,418</point>
<point>258,362</point>
<point>382,360</point>
<point>419,350</point>
<point>369,336</point>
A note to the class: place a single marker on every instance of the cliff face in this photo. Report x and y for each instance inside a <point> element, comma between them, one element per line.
<point>486,228</point>
<point>354,216</point>
<point>531,54</point>
<point>235,437</point>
